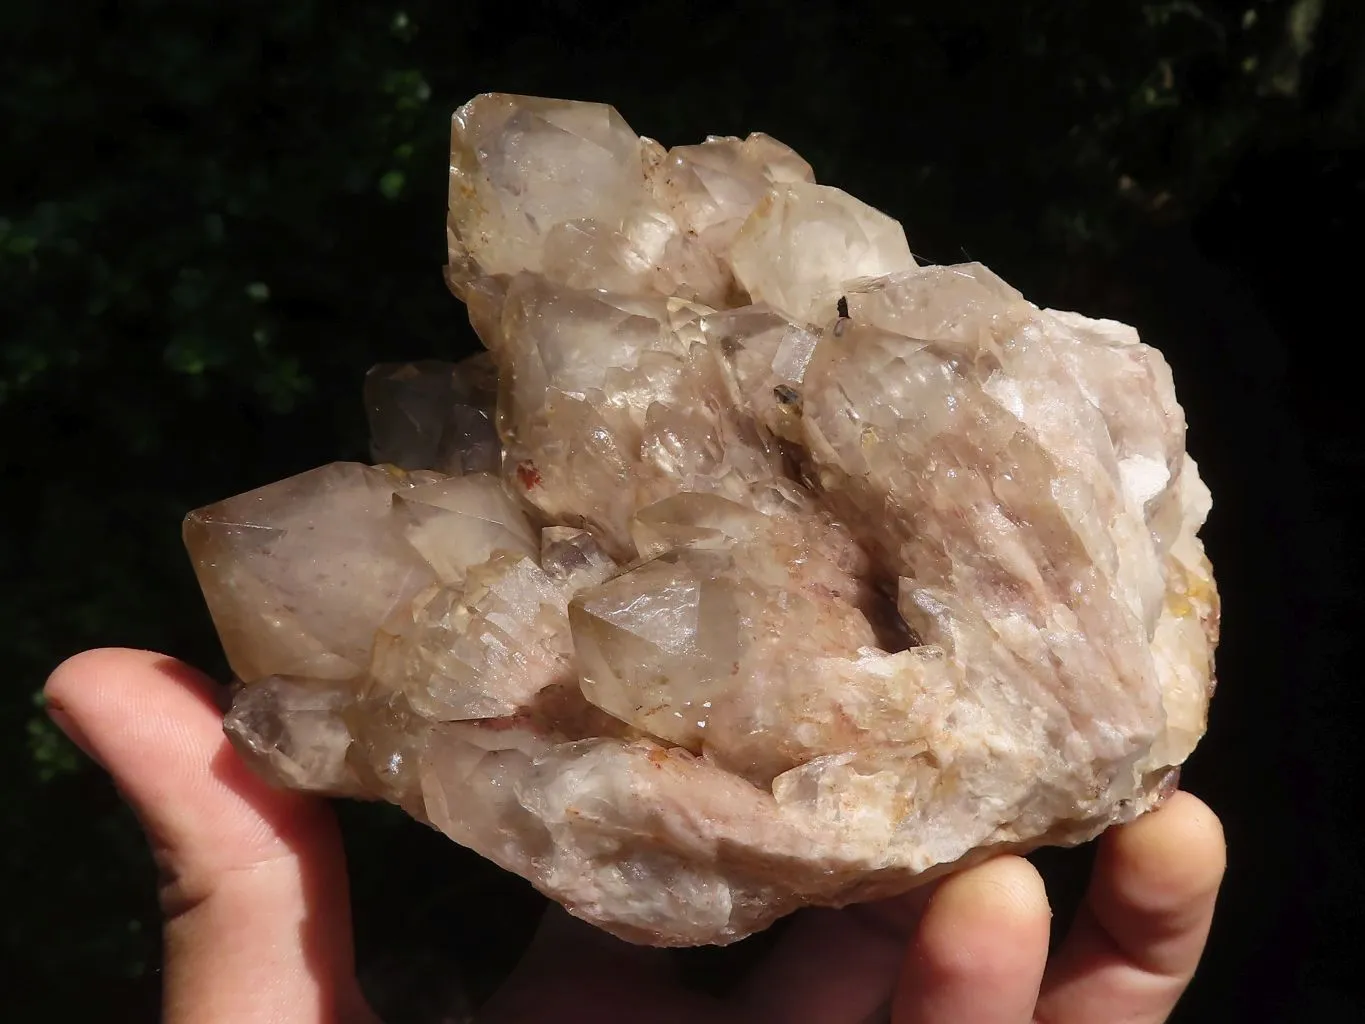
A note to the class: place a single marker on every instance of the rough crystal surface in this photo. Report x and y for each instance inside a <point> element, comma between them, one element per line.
<point>753,566</point>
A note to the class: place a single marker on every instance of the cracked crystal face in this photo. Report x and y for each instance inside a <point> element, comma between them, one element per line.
<point>751,567</point>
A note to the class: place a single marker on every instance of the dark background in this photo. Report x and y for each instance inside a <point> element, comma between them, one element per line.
<point>215,216</point>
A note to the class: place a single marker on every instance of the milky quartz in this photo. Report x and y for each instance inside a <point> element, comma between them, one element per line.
<point>753,566</point>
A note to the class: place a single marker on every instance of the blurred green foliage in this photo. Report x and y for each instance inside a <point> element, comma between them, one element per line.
<point>214,217</point>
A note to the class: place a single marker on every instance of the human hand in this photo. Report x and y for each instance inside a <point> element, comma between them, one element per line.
<point>257,921</point>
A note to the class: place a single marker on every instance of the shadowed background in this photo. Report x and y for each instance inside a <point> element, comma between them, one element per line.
<point>215,217</point>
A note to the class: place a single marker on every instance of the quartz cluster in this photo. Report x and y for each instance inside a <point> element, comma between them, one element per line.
<point>753,565</point>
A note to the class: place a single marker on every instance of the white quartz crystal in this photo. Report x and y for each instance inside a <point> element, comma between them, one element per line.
<point>752,567</point>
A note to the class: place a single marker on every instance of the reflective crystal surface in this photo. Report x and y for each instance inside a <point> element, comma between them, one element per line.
<point>751,567</point>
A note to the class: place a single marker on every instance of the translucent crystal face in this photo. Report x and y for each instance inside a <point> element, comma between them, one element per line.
<point>752,566</point>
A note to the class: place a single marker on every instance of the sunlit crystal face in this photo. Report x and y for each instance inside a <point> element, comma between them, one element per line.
<point>752,567</point>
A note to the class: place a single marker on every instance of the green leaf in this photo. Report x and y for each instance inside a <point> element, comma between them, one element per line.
<point>52,754</point>
<point>391,184</point>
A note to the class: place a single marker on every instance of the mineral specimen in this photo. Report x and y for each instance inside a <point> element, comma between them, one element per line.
<point>753,566</point>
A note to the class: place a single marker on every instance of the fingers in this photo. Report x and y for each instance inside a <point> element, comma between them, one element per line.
<point>834,966</point>
<point>979,952</point>
<point>254,884</point>
<point>1139,936</point>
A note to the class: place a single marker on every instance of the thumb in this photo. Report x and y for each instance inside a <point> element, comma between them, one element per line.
<point>254,892</point>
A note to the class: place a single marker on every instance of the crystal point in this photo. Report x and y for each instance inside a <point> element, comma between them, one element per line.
<point>432,415</point>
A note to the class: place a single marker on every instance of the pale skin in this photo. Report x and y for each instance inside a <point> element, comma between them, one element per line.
<point>257,927</point>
